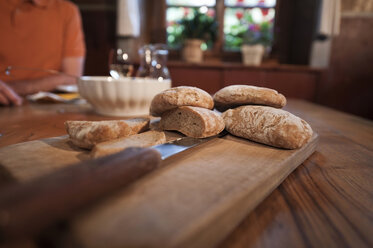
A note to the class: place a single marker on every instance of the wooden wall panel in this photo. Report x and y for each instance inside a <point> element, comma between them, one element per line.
<point>243,76</point>
<point>357,6</point>
<point>293,85</point>
<point>295,29</point>
<point>99,25</point>
<point>99,31</point>
<point>204,78</point>
<point>348,84</point>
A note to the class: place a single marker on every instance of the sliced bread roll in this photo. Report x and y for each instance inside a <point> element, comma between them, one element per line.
<point>180,96</point>
<point>145,139</point>
<point>85,134</point>
<point>268,125</point>
<point>238,95</point>
<point>193,121</point>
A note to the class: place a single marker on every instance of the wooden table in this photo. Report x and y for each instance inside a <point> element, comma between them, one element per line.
<point>326,202</point>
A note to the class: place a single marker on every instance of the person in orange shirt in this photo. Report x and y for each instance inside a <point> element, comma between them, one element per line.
<point>38,34</point>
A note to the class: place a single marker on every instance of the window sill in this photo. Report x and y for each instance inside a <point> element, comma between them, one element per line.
<point>267,65</point>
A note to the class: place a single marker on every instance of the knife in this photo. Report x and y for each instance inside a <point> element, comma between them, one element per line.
<point>28,208</point>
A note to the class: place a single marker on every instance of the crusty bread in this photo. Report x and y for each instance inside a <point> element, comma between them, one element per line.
<point>192,121</point>
<point>145,139</point>
<point>267,125</point>
<point>86,134</point>
<point>237,95</point>
<point>180,96</point>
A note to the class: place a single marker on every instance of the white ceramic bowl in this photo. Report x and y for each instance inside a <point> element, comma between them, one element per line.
<point>120,97</point>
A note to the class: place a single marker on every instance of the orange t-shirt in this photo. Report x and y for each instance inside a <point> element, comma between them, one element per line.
<point>38,34</point>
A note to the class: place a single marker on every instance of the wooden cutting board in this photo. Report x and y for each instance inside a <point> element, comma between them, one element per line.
<point>194,200</point>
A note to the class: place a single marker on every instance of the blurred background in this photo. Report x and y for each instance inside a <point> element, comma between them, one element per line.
<point>320,51</point>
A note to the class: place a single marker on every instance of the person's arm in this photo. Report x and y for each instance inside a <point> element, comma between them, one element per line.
<point>48,83</point>
<point>8,96</point>
<point>72,67</point>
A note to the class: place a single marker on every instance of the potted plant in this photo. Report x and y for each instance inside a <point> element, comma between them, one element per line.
<point>253,37</point>
<point>257,39</point>
<point>196,29</point>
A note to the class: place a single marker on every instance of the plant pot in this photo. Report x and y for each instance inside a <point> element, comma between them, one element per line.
<point>192,51</point>
<point>252,54</point>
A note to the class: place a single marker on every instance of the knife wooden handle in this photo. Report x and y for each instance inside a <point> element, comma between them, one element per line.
<point>28,208</point>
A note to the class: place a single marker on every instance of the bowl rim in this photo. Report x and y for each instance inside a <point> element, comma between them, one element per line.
<point>124,79</point>
<point>96,78</point>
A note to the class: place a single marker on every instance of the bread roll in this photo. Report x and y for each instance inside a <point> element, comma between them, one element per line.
<point>180,96</point>
<point>145,139</point>
<point>193,121</point>
<point>85,134</point>
<point>238,95</point>
<point>267,125</point>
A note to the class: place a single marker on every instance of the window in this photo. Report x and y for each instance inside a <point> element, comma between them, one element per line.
<point>179,9</point>
<point>241,21</point>
<point>249,21</point>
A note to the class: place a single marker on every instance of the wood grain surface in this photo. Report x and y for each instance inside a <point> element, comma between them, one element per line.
<point>220,182</point>
<point>326,202</point>
<point>30,207</point>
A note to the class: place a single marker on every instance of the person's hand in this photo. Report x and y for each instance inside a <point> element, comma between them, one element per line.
<point>8,96</point>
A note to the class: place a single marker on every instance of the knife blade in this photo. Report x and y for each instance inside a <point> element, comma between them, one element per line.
<point>174,147</point>
<point>28,208</point>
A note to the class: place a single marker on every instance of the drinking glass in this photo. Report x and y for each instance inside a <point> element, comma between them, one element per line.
<point>120,64</point>
<point>158,67</point>
<point>146,55</point>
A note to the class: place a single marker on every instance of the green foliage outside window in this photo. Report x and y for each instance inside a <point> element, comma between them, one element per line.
<point>245,22</point>
<point>248,31</point>
<point>194,25</point>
